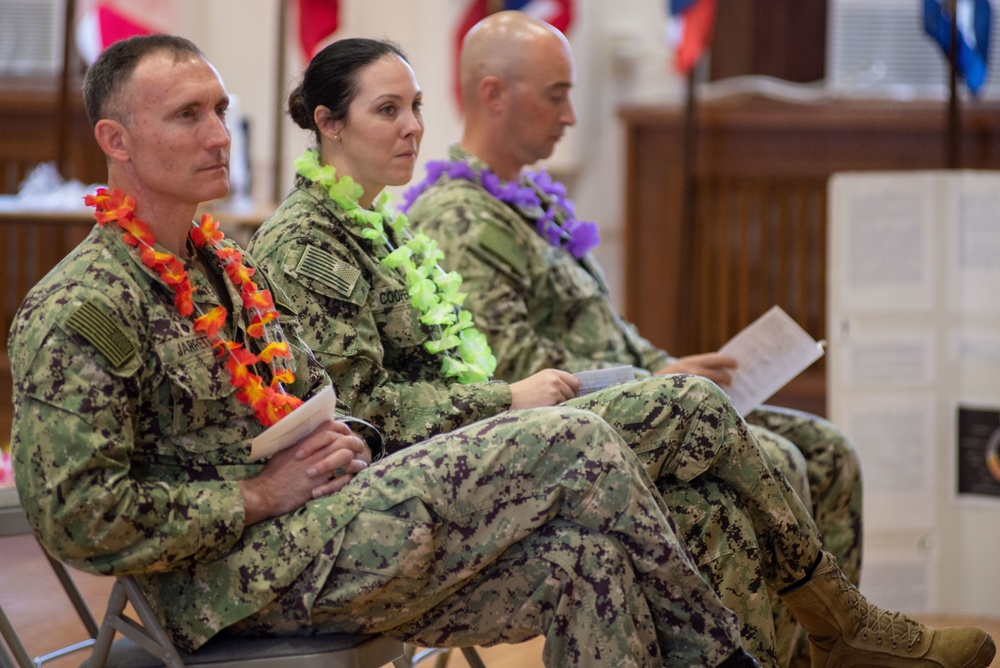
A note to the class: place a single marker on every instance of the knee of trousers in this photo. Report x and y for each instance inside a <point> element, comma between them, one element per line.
<point>787,458</point>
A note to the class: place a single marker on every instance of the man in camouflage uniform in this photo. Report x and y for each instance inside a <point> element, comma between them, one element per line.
<point>542,307</point>
<point>131,450</point>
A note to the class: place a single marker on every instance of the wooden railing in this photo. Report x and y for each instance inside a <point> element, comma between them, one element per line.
<point>757,236</point>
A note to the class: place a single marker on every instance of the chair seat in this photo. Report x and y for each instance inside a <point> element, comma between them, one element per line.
<point>294,652</point>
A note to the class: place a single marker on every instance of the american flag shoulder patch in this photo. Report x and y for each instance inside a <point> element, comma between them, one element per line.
<point>500,244</point>
<point>101,330</point>
<point>321,266</point>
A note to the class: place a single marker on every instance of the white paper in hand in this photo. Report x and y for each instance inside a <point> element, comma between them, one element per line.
<point>296,425</point>
<point>593,380</point>
<point>770,351</point>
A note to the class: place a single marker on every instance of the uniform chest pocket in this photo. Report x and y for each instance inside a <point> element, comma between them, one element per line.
<point>200,387</point>
<point>397,320</point>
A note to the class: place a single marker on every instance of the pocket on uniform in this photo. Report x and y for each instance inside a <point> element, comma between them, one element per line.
<point>391,544</point>
<point>397,320</point>
<point>201,390</point>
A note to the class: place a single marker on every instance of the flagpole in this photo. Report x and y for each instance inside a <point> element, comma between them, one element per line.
<point>63,126</point>
<point>279,139</point>
<point>688,183</point>
<point>953,155</point>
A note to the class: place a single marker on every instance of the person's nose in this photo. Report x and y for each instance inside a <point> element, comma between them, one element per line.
<point>414,126</point>
<point>569,114</point>
<point>217,133</point>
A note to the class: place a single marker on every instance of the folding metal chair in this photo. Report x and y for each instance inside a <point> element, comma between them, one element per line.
<point>145,644</point>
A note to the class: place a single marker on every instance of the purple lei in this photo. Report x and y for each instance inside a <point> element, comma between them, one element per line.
<point>576,236</point>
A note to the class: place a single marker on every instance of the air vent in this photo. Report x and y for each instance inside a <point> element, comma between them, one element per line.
<point>31,35</point>
<point>881,45</point>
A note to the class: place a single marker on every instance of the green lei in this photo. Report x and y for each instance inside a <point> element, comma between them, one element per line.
<point>434,292</point>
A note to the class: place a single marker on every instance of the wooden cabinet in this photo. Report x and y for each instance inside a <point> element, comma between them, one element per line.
<point>757,236</point>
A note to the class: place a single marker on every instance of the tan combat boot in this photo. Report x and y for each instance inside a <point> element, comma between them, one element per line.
<point>847,631</point>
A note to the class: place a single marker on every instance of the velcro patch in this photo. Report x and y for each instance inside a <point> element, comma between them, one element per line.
<point>321,266</point>
<point>499,243</point>
<point>102,332</point>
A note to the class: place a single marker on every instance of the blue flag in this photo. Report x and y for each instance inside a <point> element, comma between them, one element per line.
<point>973,19</point>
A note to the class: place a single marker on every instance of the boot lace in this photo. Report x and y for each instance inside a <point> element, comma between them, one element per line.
<point>871,619</point>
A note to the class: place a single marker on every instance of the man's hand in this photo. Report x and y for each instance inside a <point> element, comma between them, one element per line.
<point>321,463</point>
<point>713,366</point>
<point>548,387</point>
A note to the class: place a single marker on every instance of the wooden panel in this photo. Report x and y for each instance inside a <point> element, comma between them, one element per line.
<point>785,39</point>
<point>29,118</point>
<point>759,233</point>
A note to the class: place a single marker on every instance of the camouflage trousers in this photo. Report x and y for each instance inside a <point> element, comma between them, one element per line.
<point>822,466</point>
<point>538,522</point>
<point>684,429</point>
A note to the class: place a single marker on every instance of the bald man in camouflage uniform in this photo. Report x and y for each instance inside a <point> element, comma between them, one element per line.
<point>540,307</point>
<point>131,452</point>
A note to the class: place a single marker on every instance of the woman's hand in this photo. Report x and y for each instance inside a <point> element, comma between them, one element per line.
<point>548,387</point>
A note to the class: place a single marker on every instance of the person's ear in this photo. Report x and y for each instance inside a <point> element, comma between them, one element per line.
<point>112,138</point>
<point>325,123</point>
<point>492,92</point>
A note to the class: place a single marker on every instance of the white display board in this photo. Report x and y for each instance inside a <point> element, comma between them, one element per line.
<point>914,378</point>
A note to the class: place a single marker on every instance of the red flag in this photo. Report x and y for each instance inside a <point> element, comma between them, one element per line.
<point>101,23</point>
<point>692,30</point>
<point>557,13</point>
<point>317,21</point>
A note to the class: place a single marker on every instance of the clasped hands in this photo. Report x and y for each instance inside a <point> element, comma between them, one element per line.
<point>320,464</point>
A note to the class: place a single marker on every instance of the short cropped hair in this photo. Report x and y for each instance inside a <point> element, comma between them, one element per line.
<point>108,75</point>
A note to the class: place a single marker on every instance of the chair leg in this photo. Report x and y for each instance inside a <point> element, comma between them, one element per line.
<point>472,656</point>
<point>21,657</point>
<point>150,635</point>
<point>6,660</point>
<point>116,604</point>
<point>75,597</point>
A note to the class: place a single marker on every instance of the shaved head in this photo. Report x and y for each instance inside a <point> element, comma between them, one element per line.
<point>516,75</point>
<point>502,45</point>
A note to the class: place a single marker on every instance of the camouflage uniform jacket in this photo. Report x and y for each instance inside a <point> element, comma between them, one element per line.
<point>357,318</point>
<point>539,306</point>
<point>128,441</point>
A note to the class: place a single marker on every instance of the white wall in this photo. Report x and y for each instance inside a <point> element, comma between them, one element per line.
<point>620,57</point>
